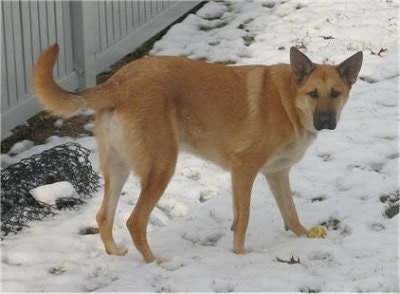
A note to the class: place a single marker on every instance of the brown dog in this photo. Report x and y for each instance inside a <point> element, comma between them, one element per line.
<point>247,119</point>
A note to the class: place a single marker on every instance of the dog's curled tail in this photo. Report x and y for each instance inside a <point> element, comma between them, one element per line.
<point>54,98</point>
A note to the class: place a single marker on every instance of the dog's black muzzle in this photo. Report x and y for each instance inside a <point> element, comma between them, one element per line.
<point>325,120</point>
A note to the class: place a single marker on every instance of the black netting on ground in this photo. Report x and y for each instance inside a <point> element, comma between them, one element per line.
<point>67,162</point>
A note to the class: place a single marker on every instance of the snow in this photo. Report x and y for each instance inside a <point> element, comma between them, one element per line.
<point>59,123</point>
<point>339,182</point>
<point>51,192</point>
<point>20,147</point>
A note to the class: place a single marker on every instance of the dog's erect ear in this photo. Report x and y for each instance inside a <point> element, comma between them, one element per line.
<point>301,65</point>
<point>350,68</point>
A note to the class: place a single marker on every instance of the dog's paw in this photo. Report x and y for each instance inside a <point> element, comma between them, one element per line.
<point>119,251</point>
<point>161,260</point>
<point>239,251</point>
<point>172,264</point>
<point>298,229</point>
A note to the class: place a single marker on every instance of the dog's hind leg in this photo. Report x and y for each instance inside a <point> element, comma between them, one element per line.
<point>153,186</point>
<point>280,187</point>
<point>153,159</point>
<point>152,189</point>
<point>115,173</point>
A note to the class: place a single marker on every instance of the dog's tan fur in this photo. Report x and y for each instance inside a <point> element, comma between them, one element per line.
<point>247,119</point>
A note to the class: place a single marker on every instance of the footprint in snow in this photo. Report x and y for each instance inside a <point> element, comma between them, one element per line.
<point>223,285</point>
<point>58,269</point>
<point>318,198</point>
<point>206,195</point>
<point>376,227</point>
<point>212,239</point>
<point>100,276</point>
<point>308,289</point>
<point>192,174</point>
<point>15,259</point>
<point>217,217</point>
<point>333,224</point>
<point>191,237</point>
<point>321,256</point>
<point>208,240</point>
<point>162,283</point>
<point>159,218</point>
<point>88,231</point>
<point>173,264</point>
<point>172,208</point>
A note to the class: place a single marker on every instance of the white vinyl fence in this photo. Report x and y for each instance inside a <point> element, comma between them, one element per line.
<point>92,36</point>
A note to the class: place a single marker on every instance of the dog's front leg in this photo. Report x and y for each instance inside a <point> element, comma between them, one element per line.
<point>242,183</point>
<point>280,187</point>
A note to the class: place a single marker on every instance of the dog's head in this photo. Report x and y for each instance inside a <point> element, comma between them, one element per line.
<point>322,90</point>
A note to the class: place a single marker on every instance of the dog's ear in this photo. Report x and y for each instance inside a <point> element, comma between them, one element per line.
<point>301,65</point>
<point>350,68</point>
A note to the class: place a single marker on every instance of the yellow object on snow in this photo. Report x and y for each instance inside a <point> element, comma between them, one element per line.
<point>317,232</point>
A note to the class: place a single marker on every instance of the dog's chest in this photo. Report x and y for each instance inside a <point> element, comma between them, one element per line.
<point>288,156</point>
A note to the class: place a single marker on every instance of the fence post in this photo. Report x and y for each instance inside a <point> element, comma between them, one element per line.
<point>84,21</point>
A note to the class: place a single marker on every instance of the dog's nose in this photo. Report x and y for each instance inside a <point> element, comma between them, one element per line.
<point>325,120</point>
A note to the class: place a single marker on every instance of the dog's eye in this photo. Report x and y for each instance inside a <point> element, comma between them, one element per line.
<point>313,94</point>
<point>334,93</point>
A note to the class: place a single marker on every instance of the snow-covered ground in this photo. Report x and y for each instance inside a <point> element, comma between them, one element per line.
<point>339,182</point>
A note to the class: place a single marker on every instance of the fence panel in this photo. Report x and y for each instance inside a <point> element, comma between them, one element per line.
<point>138,21</point>
<point>4,81</point>
<point>29,27</point>
<point>92,36</point>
